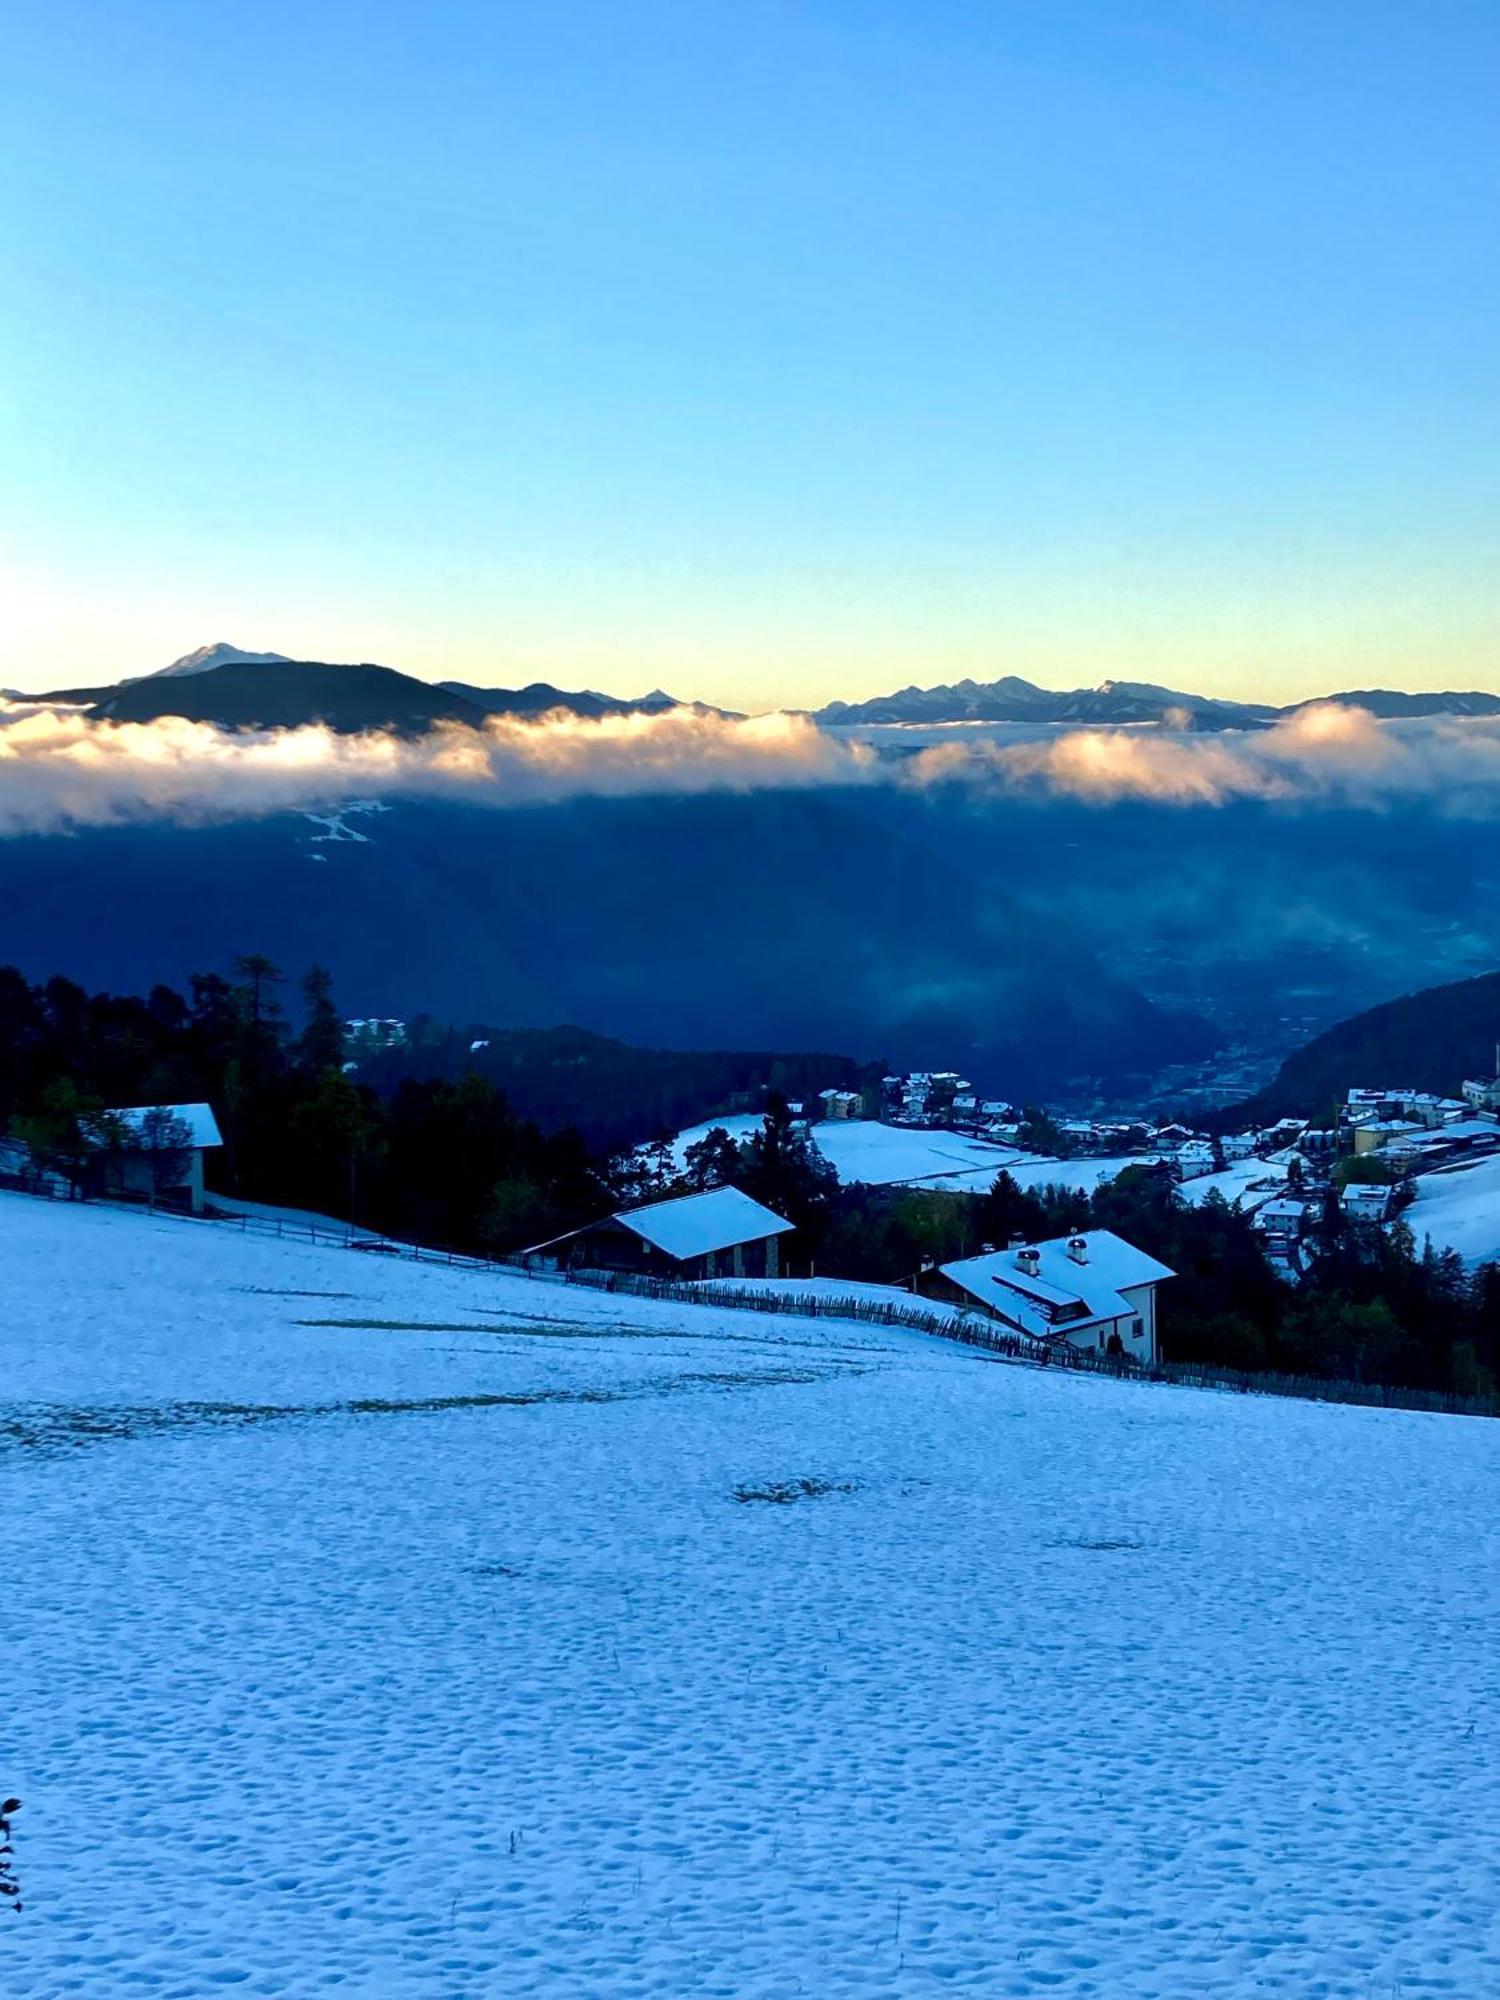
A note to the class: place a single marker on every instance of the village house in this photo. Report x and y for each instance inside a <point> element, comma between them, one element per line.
<point>156,1153</point>
<point>1374,1134</point>
<point>1282,1220</point>
<point>1483,1093</point>
<point>1367,1203</point>
<point>722,1233</point>
<point>1092,1290</point>
<point>144,1152</point>
<point>841,1103</point>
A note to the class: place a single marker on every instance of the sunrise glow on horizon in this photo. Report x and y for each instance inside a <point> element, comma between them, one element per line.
<point>771,356</point>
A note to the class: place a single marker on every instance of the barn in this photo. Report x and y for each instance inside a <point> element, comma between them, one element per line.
<point>722,1233</point>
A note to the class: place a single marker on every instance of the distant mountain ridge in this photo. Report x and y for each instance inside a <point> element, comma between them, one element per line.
<point>234,689</point>
<point>1119,703</point>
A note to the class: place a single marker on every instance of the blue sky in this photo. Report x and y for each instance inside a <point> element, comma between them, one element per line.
<point>768,352</point>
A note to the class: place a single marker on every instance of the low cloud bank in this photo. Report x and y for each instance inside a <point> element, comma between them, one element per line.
<point>1327,755</point>
<point>60,770</point>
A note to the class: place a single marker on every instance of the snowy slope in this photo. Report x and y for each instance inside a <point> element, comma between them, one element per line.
<point>862,1149</point>
<point>1460,1210</point>
<point>324,1674</point>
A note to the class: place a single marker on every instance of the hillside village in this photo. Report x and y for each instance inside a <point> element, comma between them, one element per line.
<point>1355,1244</point>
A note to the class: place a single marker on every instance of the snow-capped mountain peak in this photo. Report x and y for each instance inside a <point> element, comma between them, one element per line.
<point>206,658</point>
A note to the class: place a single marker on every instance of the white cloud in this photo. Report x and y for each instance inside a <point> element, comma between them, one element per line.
<point>60,769</point>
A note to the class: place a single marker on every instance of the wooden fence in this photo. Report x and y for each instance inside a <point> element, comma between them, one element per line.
<point>967,1330</point>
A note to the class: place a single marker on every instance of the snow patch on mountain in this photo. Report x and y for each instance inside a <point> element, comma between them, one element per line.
<point>221,654</point>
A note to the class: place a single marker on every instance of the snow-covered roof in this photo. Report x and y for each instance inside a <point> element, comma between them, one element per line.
<point>198,1118</point>
<point>1062,1294</point>
<point>1282,1209</point>
<point>695,1225</point>
<point>1367,1195</point>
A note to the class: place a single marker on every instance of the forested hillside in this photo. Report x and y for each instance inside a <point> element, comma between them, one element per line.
<point>1430,1040</point>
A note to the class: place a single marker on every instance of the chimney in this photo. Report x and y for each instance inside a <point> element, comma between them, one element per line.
<point>1017,1240</point>
<point>1078,1249</point>
<point>1028,1260</point>
<point>986,1249</point>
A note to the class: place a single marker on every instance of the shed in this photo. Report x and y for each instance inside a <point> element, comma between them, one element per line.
<point>723,1233</point>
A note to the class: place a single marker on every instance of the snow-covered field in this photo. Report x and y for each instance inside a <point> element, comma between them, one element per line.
<point>393,1631</point>
<point>1460,1210</point>
<point>862,1149</point>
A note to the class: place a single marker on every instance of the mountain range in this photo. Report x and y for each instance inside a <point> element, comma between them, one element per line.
<point>234,689</point>
<point>1118,703</point>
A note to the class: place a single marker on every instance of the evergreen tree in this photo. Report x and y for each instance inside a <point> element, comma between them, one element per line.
<point>321,1043</point>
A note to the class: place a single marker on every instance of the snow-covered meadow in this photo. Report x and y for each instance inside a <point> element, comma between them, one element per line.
<point>395,1631</point>
<point>863,1149</point>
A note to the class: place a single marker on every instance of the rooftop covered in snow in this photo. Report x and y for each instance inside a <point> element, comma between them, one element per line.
<point>1060,1286</point>
<point>697,1225</point>
<point>202,1126</point>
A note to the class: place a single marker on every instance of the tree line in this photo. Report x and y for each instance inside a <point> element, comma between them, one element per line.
<point>443,1161</point>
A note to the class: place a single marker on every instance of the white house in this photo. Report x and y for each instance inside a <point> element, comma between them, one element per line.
<point>1284,1218</point>
<point>722,1233</point>
<point>161,1155</point>
<point>1367,1202</point>
<point>1093,1290</point>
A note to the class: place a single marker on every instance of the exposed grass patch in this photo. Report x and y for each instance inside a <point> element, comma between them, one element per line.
<point>54,1428</point>
<point>782,1492</point>
<point>1108,1545</point>
<point>401,1325</point>
<point>283,1292</point>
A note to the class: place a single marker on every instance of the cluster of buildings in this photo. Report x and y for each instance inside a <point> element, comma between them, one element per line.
<point>935,1097</point>
<point>1092,1292</point>
<point>367,1037</point>
<point>1414,1130</point>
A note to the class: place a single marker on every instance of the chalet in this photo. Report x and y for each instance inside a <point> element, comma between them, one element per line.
<point>719,1234</point>
<point>158,1153</point>
<point>1195,1157</point>
<point>1092,1290</point>
<point>1364,1202</point>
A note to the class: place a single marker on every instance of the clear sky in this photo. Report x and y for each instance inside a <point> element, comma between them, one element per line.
<point>771,352</point>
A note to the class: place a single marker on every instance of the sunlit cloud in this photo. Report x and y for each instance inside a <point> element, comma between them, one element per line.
<point>61,769</point>
<point>1329,754</point>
